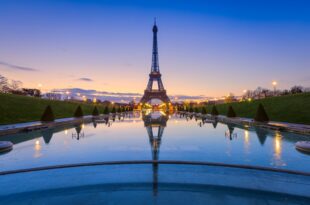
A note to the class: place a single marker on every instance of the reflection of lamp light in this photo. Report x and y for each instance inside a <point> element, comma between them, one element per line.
<point>37,142</point>
<point>66,132</point>
<point>246,140</point>
<point>278,150</point>
<point>277,145</point>
<point>246,136</point>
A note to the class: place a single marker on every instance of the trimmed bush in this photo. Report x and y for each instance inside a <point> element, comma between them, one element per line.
<point>113,110</point>
<point>119,110</point>
<point>203,110</point>
<point>261,115</point>
<point>191,109</point>
<point>78,112</point>
<point>106,110</point>
<point>48,115</point>
<point>95,111</point>
<point>196,110</point>
<point>214,111</point>
<point>231,112</point>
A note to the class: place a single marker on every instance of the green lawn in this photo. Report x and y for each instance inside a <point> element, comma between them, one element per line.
<point>291,108</point>
<point>15,108</point>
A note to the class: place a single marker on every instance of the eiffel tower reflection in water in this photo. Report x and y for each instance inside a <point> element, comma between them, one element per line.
<point>155,123</point>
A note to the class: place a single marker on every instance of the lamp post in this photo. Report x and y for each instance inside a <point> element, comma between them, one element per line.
<point>274,84</point>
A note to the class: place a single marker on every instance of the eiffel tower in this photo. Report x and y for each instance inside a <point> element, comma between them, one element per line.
<point>159,91</point>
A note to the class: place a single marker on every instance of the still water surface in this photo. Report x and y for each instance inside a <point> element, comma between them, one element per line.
<point>165,138</point>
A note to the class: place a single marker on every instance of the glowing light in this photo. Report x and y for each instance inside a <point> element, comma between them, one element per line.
<point>66,132</point>
<point>277,144</point>
<point>37,142</point>
<point>112,103</point>
<point>67,92</point>
<point>246,140</point>
<point>244,91</point>
<point>78,94</point>
<point>274,83</point>
<point>246,136</point>
<point>83,126</point>
<point>94,100</point>
<point>39,85</point>
<point>250,99</point>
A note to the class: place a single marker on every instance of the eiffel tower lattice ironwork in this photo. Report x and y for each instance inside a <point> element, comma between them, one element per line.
<point>155,76</point>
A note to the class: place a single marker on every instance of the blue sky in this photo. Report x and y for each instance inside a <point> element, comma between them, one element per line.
<point>207,48</point>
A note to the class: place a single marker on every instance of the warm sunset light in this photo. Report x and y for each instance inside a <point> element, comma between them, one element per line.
<point>154,102</point>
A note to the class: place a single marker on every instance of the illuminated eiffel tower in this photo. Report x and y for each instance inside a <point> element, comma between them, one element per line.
<point>156,92</point>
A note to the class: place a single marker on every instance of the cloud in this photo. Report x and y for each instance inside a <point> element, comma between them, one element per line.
<point>118,96</point>
<point>85,79</point>
<point>17,67</point>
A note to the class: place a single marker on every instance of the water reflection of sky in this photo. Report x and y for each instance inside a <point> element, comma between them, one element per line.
<point>181,139</point>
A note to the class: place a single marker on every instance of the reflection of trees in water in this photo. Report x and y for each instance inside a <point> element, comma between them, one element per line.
<point>47,135</point>
<point>214,124</point>
<point>230,132</point>
<point>79,132</point>
<point>261,134</point>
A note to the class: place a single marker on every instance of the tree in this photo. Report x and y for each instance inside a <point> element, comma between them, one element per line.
<point>196,109</point>
<point>113,110</point>
<point>95,111</point>
<point>78,112</point>
<point>214,111</point>
<point>261,115</point>
<point>48,115</point>
<point>106,110</point>
<point>4,85</point>
<point>16,84</point>
<point>296,89</point>
<point>203,110</point>
<point>231,112</point>
<point>191,109</point>
<point>119,109</point>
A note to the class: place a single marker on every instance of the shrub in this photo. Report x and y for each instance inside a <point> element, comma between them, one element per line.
<point>119,110</point>
<point>113,110</point>
<point>48,115</point>
<point>203,110</point>
<point>78,112</point>
<point>196,110</point>
<point>190,109</point>
<point>95,111</point>
<point>261,115</point>
<point>106,110</point>
<point>214,111</point>
<point>231,112</point>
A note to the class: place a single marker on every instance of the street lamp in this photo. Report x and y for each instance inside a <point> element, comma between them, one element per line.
<point>274,84</point>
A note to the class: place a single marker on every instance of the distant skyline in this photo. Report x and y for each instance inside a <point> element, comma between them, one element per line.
<point>209,48</point>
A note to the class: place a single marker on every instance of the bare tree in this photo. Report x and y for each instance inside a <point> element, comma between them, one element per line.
<point>296,89</point>
<point>4,85</point>
<point>16,84</point>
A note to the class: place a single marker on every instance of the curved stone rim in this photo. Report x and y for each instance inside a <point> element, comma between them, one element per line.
<point>167,162</point>
<point>5,146</point>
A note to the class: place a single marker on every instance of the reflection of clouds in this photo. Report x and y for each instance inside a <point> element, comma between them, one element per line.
<point>120,96</point>
<point>144,148</point>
